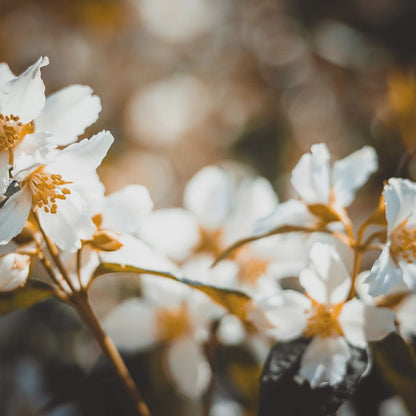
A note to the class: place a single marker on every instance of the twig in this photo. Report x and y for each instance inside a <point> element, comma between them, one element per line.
<point>82,305</point>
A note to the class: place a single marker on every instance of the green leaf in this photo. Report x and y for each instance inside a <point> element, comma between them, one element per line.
<point>397,366</point>
<point>236,302</point>
<point>24,297</point>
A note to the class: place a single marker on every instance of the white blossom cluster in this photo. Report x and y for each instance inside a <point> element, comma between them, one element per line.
<point>50,192</point>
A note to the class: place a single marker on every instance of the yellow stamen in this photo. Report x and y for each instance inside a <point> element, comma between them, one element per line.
<point>403,243</point>
<point>323,321</point>
<point>12,131</point>
<point>251,267</point>
<point>210,242</point>
<point>46,188</point>
<point>172,322</point>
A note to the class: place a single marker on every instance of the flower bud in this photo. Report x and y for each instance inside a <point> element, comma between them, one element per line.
<point>105,240</point>
<point>14,271</point>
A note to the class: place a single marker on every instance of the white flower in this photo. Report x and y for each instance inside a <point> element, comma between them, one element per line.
<point>315,183</point>
<point>325,315</point>
<point>395,269</point>
<point>55,187</point>
<point>24,111</point>
<point>172,314</point>
<point>219,211</point>
<point>324,193</point>
<point>23,96</point>
<point>402,302</point>
<point>217,200</point>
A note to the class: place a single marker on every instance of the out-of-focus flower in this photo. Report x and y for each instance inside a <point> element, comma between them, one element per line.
<point>126,210</point>
<point>165,110</point>
<point>172,314</point>
<point>179,20</point>
<point>395,269</point>
<point>403,303</point>
<point>123,214</point>
<point>14,271</point>
<point>324,314</point>
<point>393,406</point>
<point>219,210</point>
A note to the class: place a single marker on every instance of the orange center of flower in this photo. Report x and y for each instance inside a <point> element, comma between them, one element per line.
<point>210,242</point>
<point>403,243</point>
<point>323,321</point>
<point>251,267</point>
<point>12,131</point>
<point>46,188</point>
<point>172,322</point>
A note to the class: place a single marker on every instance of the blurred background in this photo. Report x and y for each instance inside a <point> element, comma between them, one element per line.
<point>186,83</point>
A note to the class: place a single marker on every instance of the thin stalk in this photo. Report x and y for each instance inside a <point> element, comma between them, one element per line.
<point>48,267</point>
<point>53,250</point>
<point>79,267</point>
<point>79,300</point>
<point>82,305</point>
<point>210,349</point>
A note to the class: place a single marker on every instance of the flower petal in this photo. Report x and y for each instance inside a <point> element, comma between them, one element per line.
<point>175,232</point>
<point>33,150</point>
<point>351,173</point>
<point>91,190</point>
<point>188,367</point>
<point>224,274</point>
<point>326,280</point>
<point>286,312</point>
<point>292,212</point>
<point>405,313</point>
<point>400,197</point>
<point>163,292</point>
<point>5,74</point>
<point>361,323</point>
<point>136,253</point>
<point>208,196</point>
<point>385,276</point>
<point>80,159</point>
<point>70,224</point>
<point>4,172</point>
<point>408,274</point>
<point>325,361</point>
<point>13,215</point>
<point>132,325</point>
<point>24,96</point>
<point>311,176</point>
<point>230,330</point>
<point>253,199</point>
<point>68,112</point>
<point>125,210</point>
